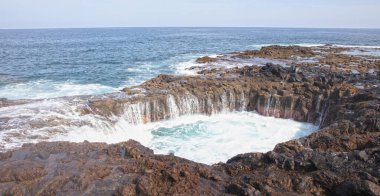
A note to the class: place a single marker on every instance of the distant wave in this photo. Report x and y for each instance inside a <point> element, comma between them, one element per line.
<point>357,46</point>
<point>258,46</point>
<point>112,62</point>
<point>42,89</point>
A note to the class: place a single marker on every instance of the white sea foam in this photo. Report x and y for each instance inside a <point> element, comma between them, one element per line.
<point>357,46</point>
<point>206,139</point>
<point>363,52</point>
<point>263,61</point>
<point>191,67</point>
<point>183,68</point>
<point>259,46</point>
<point>215,56</point>
<point>36,121</point>
<point>42,89</point>
<point>192,137</point>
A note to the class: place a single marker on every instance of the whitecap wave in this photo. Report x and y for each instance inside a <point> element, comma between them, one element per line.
<point>357,46</point>
<point>363,52</point>
<point>42,89</point>
<point>184,68</point>
<point>259,46</point>
<point>192,67</point>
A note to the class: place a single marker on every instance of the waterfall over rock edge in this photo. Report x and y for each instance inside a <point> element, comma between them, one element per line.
<point>185,95</point>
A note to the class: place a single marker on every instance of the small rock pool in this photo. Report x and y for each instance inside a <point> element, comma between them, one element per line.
<point>205,139</point>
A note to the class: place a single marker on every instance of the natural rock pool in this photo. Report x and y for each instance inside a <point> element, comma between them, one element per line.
<point>205,139</point>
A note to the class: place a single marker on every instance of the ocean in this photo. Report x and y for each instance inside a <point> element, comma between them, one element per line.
<point>51,64</point>
<point>46,63</point>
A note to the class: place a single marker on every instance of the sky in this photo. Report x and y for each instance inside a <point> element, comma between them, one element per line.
<point>189,13</point>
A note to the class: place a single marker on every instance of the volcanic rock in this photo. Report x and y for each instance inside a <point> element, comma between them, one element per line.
<point>206,59</point>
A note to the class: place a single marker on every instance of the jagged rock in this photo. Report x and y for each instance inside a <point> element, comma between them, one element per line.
<point>277,52</point>
<point>206,59</point>
<point>357,188</point>
<point>19,171</point>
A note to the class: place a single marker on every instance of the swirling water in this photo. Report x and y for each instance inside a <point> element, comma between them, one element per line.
<point>47,63</point>
<point>205,139</point>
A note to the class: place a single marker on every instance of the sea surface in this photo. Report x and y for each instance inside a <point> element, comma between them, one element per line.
<point>46,63</point>
<point>50,64</point>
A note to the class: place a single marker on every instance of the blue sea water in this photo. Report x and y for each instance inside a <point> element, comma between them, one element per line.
<point>44,63</point>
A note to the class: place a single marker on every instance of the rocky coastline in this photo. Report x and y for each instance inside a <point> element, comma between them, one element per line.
<point>326,85</point>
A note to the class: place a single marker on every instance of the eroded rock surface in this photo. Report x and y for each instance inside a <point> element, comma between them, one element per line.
<point>322,85</point>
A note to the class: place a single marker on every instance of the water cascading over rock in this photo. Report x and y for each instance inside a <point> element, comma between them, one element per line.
<point>185,95</point>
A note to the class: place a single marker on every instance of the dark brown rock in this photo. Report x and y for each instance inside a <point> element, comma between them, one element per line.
<point>206,59</point>
<point>19,171</point>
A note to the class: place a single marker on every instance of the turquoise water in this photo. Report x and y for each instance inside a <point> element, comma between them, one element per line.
<point>205,139</point>
<point>62,62</point>
<point>218,138</point>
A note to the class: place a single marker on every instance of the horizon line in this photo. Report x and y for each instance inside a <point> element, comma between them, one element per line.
<point>120,27</point>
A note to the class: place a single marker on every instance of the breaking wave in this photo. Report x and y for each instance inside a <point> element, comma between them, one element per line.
<point>43,89</point>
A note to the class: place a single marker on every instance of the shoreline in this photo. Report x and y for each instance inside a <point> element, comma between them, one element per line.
<point>342,156</point>
<point>178,71</point>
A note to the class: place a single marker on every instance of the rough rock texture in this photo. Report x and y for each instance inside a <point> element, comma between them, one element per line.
<point>206,59</point>
<point>122,169</point>
<point>342,158</point>
<point>276,52</point>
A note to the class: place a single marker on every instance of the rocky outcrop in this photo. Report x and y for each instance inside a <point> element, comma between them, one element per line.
<point>276,52</point>
<point>206,59</point>
<point>342,158</point>
<point>95,168</point>
<point>270,90</point>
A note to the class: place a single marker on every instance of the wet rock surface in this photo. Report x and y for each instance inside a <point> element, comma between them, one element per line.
<point>318,85</point>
